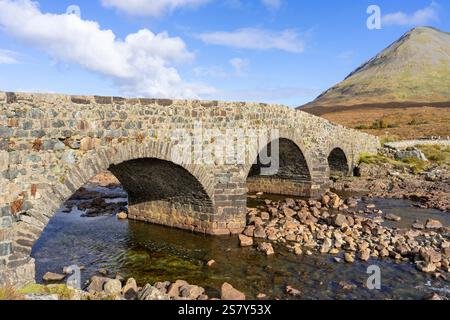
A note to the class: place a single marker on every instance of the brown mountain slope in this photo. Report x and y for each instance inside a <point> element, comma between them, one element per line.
<point>410,80</point>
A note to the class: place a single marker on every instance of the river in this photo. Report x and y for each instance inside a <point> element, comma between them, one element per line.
<point>151,253</point>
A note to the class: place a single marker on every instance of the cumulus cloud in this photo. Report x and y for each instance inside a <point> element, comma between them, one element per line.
<point>419,17</point>
<point>8,57</point>
<point>142,64</point>
<point>258,39</point>
<point>154,8</point>
<point>272,4</point>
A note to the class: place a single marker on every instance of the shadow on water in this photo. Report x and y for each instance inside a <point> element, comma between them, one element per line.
<point>151,253</point>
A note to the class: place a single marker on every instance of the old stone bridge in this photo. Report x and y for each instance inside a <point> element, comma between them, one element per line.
<point>51,145</point>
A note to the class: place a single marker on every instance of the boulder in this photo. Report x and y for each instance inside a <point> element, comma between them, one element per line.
<point>288,212</point>
<point>433,224</point>
<point>245,241</point>
<point>340,220</point>
<point>151,293</point>
<point>173,290</point>
<point>122,215</point>
<point>50,276</point>
<point>392,217</point>
<point>191,292</point>
<point>266,248</point>
<point>112,287</point>
<point>96,284</point>
<point>130,289</point>
<point>227,292</point>
<point>260,232</point>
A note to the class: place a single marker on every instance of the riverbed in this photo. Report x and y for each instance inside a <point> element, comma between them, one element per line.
<point>151,253</point>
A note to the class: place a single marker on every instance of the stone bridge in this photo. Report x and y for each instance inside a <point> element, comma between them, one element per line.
<point>51,145</point>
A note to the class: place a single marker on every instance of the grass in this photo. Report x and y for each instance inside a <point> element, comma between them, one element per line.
<point>436,153</point>
<point>61,290</point>
<point>9,293</point>
<point>405,124</point>
<point>415,165</point>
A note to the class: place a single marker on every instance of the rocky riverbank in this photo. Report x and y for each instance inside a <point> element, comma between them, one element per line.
<point>430,188</point>
<point>105,288</point>
<point>335,226</point>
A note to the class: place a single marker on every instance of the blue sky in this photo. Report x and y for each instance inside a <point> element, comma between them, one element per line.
<point>276,51</point>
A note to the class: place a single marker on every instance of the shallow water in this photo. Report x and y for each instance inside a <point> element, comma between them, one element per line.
<point>151,253</point>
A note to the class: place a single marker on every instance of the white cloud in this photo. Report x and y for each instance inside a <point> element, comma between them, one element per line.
<point>420,17</point>
<point>154,8</point>
<point>239,65</point>
<point>272,4</point>
<point>258,39</point>
<point>8,57</point>
<point>142,64</point>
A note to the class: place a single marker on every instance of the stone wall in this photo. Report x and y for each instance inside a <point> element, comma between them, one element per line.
<point>50,145</point>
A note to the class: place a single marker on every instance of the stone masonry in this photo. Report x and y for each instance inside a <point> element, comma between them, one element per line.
<point>51,145</point>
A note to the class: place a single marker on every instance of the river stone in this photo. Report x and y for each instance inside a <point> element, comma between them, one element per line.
<point>293,292</point>
<point>174,288</point>
<point>245,241</point>
<point>50,276</point>
<point>191,292</point>
<point>151,293</point>
<point>259,232</point>
<point>122,215</point>
<point>97,284</point>
<point>288,212</point>
<point>392,217</point>
<point>249,231</point>
<point>433,224</point>
<point>130,289</point>
<point>266,248</point>
<point>113,287</point>
<point>228,293</point>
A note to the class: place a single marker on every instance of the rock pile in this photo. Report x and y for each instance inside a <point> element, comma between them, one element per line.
<point>328,226</point>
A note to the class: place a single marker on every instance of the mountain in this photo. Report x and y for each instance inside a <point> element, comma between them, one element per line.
<point>413,71</point>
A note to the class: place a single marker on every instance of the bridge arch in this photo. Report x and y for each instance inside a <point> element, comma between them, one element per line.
<point>289,173</point>
<point>141,168</point>
<point>338,162</point>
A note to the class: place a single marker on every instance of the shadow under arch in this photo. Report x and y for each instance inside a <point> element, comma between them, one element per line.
<point>292,175</point>
<point>338,163</point>
<point>120,159</point>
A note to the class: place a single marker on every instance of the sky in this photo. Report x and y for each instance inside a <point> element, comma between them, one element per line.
<point>273,51</point>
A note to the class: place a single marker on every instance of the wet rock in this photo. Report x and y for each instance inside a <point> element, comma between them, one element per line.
<point>261,296</point>
<point>130,289</point>
<point>151,293</point>
<point>418,226</point>
<point>259,232</point>
<point>210,263</point>
<point>191,292</point>
<point>433,224</point>
<point>162,286</point>
<point>293,292</point>
<point>266,248</point>
<point>96,284</point>
<point>349,257</point>
<point>227,292</point>
<point>430,255</point>
<point>173,290</point>
<point>122,215</point>
<point>112,287</point>
<point>245,241</point>
<point>50,276</point>
<point>340,220</point>
<point>436,297</point>
<point>392,217</point>
<point>326,246</point>
<point>249,231</point>
<point>288,212</point>
<point>365,254</point>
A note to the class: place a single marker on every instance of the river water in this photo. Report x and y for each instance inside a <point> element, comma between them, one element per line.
<point>151,253</point>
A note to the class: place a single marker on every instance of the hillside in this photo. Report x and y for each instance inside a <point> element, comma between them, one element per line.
<point>407,84</point>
